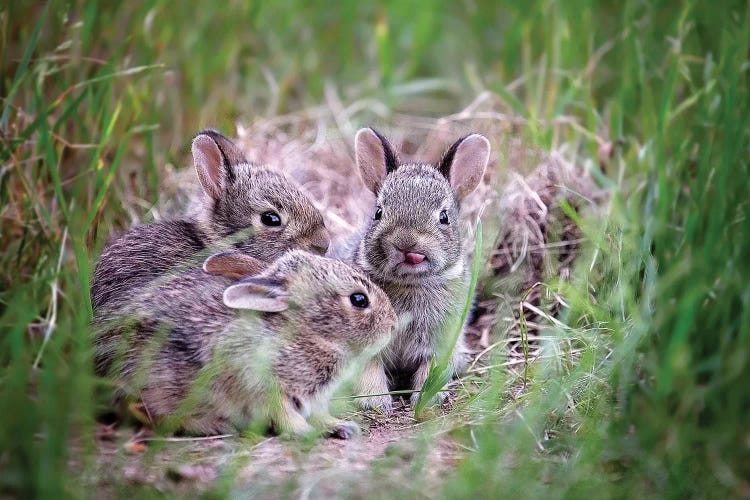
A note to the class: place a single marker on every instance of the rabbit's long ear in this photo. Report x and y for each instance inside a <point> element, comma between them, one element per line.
<point>233,264</point>
<point>463,164</point>
<point>375,158</point>
<point>257,294</point>
<point>213,157</point>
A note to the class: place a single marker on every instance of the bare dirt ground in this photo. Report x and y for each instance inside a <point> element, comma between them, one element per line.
<point>389,449</point>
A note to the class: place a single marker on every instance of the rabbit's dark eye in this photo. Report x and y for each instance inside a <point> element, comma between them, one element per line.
<point>359,300</point>
<point>444,217</point>
<point>270,219</point>
<point>378,213</point>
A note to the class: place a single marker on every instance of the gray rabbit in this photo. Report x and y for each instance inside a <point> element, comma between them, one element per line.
<point>209,354</point>
<point>249,207</point>
<point>412,248</point>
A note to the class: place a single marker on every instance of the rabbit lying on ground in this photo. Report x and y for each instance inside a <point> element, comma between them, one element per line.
<point>249,207</point>
<point>412,249</point>
<point>210,354</point>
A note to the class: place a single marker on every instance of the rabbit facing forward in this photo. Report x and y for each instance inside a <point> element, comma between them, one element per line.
<point>211,354</point>
<point>412,249</point>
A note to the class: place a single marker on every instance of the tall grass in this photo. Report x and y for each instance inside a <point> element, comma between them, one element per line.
<point>97,99</point>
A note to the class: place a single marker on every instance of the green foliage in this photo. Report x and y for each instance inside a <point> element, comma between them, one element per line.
<point>653,399</point>
<point>440,368</point>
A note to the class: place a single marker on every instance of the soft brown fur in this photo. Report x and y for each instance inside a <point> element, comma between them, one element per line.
<point>266,347</point>
<point>237,194</point>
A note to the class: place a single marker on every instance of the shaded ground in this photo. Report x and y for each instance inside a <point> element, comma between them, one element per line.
<point>389,449</point>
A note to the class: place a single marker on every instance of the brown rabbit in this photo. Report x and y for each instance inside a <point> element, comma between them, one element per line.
<point>249,207</point>
<point>211,354</point>
<point>412,248</point>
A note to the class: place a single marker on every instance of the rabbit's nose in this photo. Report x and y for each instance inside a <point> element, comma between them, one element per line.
<point>320,247</point>
<point>320,243</point>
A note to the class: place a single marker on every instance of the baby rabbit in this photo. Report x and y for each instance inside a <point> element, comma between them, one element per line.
<point>210,354</point>
<point>249,207</point>
<point>412,248</point>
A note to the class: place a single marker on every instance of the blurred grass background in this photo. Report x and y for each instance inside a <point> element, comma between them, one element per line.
<point>96,99</point>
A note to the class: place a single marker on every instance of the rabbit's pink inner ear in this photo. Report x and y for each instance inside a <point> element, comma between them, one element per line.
<point>371,158</point>
<point>233,265</point>
<point>209,165</point>
<point>232,154</point>
<point>256,297</point>
<point>469,163</point>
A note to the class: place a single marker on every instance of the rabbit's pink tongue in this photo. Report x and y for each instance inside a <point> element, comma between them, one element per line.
<point>413,258</point>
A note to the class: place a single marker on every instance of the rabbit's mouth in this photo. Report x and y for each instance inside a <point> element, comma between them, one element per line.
<point>408,260</point>
<point>404,262</point>
<point>413,264</point>
<point>420,262</point>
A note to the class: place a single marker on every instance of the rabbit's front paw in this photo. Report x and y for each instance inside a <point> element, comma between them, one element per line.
<point>345,429</point>
<point>383,404</point>
<point>438,399</point>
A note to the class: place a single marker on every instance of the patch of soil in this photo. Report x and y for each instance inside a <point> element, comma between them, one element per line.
<point>389,448</point>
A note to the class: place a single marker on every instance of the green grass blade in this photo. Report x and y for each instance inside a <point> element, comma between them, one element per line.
<point>440,370</point>
<point>50,157</point>
<point>23,66</point>
<point>104,188</point>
